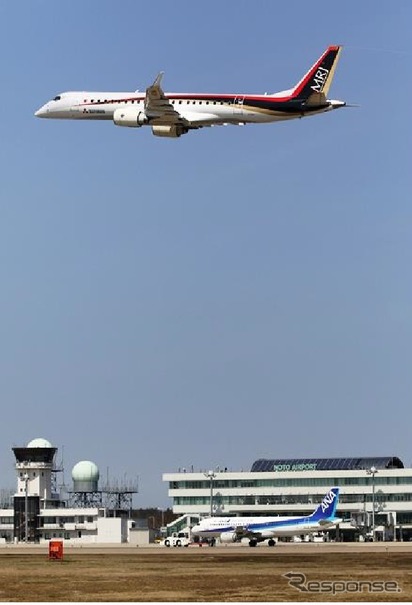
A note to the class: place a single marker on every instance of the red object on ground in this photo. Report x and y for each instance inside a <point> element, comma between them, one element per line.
<point>56,550</point>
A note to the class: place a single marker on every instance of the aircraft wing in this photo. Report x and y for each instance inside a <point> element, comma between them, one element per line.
<point>160,110</point>
<point>243,531</point>
<point>157,105</point>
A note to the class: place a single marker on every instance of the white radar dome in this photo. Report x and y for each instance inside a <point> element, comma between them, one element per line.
<point>39,442</point>
<point>85,471</point>
<point>85,475</point>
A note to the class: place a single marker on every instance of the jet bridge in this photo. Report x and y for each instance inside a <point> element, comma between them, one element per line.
<point>182,524</point>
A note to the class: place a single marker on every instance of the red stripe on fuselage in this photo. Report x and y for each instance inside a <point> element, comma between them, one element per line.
<point>225,98</point>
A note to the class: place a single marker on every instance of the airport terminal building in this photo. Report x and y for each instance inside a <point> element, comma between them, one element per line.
<point>375,489</point>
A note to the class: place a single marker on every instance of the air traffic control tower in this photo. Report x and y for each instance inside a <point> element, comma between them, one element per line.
<point>35,468</point>
<point>40,512</point>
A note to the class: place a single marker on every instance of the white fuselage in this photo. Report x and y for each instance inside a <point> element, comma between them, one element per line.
<point>173,114</point>
<point>267,527</point>
<point>205,109</point>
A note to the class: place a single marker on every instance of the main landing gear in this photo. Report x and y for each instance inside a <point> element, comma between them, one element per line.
<point>253,542</point>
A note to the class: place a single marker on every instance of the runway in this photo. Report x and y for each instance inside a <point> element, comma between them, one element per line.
<point>222,549</point>
<point>287,572</point>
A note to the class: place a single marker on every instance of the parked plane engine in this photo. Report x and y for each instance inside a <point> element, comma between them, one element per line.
<point>229,537</point>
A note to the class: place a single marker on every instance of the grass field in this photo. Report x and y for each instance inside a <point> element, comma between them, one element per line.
<point>219,574</point>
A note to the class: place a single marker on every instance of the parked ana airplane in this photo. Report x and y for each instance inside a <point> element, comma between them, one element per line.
<point>174,114</point>
<point>259,529</point>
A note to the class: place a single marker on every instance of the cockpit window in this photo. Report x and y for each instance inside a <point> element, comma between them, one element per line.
<point>57,98</point>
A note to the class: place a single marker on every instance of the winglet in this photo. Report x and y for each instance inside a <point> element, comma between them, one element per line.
<point>158,80</point>
<point>155,92</point>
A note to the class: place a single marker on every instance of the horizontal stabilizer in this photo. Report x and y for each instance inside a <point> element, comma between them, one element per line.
<point>316,99</point>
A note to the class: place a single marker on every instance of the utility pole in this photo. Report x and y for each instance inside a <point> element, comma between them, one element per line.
<point>211,476</point>
<point>372,471</point>
<point>26,508</point>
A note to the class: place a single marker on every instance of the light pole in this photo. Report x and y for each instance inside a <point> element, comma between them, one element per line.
<point>372,471</point>
<point>162,512</point>
<point>26,508</point>
<point>211,475</point>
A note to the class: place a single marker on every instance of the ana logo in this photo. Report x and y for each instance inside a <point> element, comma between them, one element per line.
<point>320,79</point>
<point>327,500</point>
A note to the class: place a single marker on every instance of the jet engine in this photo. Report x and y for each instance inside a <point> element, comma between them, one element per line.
<point>129,116</point>
<point>169,130</point>
<point>231,536</point>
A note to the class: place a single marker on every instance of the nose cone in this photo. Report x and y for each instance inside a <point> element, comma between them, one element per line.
<point>42,112</point>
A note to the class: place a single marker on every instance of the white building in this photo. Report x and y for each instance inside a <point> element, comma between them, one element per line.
<point>296,486</point>
<point>38,513</point>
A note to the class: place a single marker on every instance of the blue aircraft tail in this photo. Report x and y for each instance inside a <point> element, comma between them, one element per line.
<point>327,508</point>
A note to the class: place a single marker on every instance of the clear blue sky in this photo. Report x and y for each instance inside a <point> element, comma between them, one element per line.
<point>234,294</point>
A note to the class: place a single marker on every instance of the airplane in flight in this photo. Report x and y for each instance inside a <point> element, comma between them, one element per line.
<point>174,114</point>
<point>259,529</point>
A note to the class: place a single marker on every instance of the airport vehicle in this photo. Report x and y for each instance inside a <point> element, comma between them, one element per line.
<point>174,114</point>
<point>259,529</point>
<point>177,539</point>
